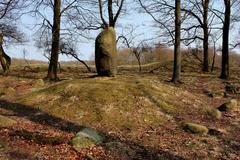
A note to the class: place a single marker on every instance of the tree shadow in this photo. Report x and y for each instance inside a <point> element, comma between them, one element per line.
<point>39,116</point>
<point>44,118</point>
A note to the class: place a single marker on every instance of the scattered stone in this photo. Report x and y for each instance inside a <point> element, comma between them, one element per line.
<point>194,128</point>
<point>214,113</point>
<point>86,138</point>
<point>40,82</point>
<point>216,132</point>
<point>228,106</point>
<point>216,94</point>
<point>6,122</point>
<point>9,91</point>
<point>2,147</point>
<point>232,88</point>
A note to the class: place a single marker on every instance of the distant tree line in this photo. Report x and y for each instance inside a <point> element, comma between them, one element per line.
<point>181,22</point>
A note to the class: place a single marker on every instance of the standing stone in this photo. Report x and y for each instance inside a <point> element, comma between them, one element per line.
<point>106,53</point>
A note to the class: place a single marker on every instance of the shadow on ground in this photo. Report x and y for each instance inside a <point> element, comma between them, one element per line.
<point>43,118</point>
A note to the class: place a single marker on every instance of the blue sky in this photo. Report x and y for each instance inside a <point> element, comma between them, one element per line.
<point>142,22</point>
<point>86,47</point>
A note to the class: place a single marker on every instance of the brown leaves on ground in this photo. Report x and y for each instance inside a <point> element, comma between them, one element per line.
<point>40,134</point>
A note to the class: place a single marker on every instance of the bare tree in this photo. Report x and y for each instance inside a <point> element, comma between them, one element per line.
<point>67,15</point>
<point>215,38</point>
<point>53,65</point>
<point>4,58</point>
<point>197,22</point>
<point>10,12</point>
<point>136,50</point>
<point>69,49</point>
<point>177,51</point>
<point>225,40</point>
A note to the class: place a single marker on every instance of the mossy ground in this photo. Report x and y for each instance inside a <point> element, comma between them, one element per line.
<point>142,112</point>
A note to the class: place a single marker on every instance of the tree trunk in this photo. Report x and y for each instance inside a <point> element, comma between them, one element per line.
<point>4,58</point>
<point>214,56</point>
<point>139,63</point>
<point>177,51</point>
<point>53,65</point>
<point>225,41</point>
<point>206,35</point>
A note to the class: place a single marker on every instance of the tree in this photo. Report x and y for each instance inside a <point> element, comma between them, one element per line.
<point>10,12</point>
<point>70,50</point>
<point>225,40</point>
<point>196,22</point>
<point>136,50</point>
<point>66,14</point>
<point>4,58</point>
<point>177,51</point>
<point>53,65</point>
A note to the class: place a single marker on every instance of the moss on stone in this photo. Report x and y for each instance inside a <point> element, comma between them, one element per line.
<point>214,113</point>
<point>194,128</point>
<point>228,106</point>
<point>86,138</point>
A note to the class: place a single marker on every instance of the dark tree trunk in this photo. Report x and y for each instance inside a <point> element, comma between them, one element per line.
<point>177,51</point>
<point>225,41</point>
<point>4,58</point>
<point>214,56</point>
<point>53,65</point>
<point>206,35</point>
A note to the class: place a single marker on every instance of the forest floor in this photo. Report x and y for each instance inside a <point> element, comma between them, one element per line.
<point>140,114</point>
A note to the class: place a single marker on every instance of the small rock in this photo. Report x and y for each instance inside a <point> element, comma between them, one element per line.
<point>6,122</point>
<point>214,113</point>
<point>9,91</point>
<point>86,138</point>
<point>216,132</point>
<point>229,106</point>
<point>40,82</point>
<point>216,94</point>
<point>194,128</point>
<point>232,88</point>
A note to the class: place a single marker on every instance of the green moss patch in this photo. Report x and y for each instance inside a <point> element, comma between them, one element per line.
<point>214,113</point>
<point>228,106</point>
<point>6,122</point>
<point>194,128</point>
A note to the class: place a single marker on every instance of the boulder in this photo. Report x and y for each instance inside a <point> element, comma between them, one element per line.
<point>9,91</point>
<point>231,88</point>
<point>216,132</point>
<point>228,106</point>
<point>106,53</point>
<point>214,113</point>
<point>39,82</point>
<point>6,122</point>
<point>86,138</point>
<point>194,128</point>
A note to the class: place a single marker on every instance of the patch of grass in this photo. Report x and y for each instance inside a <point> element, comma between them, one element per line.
<point>5,121</point>
<point>2,146</point>
<point>214,113</point>
<point>194,128</point>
